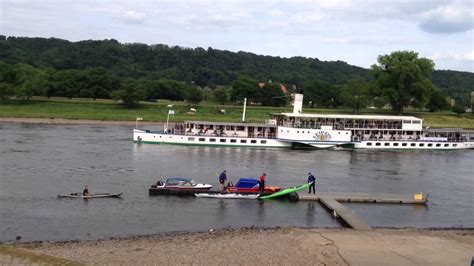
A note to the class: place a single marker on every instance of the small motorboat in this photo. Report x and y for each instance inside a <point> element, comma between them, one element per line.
<point>250,185</point>
<point>227,195</point>
<point>91,196</point>
<point>178,186</point>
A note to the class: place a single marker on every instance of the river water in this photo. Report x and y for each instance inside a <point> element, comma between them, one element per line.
<point>37,162</point>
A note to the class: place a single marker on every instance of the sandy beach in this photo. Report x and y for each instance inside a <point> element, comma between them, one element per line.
<point>286,246</point>
<point>61,121</point>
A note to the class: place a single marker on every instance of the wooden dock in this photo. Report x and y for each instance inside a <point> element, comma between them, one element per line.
<point>331,201</point>
<point>365,197</point>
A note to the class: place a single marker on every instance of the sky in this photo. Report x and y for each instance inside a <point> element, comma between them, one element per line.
<point>356,32</point>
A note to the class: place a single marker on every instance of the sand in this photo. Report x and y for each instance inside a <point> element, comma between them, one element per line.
<point>61,121</point>
<point>287,246</point>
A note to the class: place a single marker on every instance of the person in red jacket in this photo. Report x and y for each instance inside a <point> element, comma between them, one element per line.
<point>261,187</point>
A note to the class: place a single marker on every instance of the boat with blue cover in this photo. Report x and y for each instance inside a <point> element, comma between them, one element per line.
<point>250,185</point>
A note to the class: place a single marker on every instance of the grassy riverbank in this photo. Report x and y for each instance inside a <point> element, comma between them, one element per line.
<point>110,110</point>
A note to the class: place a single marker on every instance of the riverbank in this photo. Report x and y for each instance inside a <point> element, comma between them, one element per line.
<point>287,246</point>
<point>61,121</point>
<point>107,110</point>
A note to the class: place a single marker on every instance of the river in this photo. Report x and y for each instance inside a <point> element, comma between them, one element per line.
<point>37,162</point>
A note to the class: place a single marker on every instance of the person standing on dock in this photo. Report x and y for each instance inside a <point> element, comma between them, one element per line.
<point>261,187</point>
<point>222,179</point>
<point>312,180</point>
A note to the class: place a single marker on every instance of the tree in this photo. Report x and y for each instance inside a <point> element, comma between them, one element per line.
<point>221,94</point>
<point>404,78</point>
<point>129,93</point>
<point>322,94</point>
<point>458,109</point>
<point>271,95</point>
<point>30,81</point>
<point>193,95</point>
<point>171,90</point>
<point>66,83</point>
<point>354,94</point>
<point>7,81</point>
<point>6,91</point>
<point>96,83</point>
<point>244,88</point>
<point>437,101</point>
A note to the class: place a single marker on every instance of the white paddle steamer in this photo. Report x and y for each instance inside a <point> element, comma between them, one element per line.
<point>314,130</point>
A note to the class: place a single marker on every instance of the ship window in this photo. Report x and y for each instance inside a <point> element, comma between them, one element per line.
<point>233,141</point>
<point>297,132</point>
<point>240,128</point>
<point>416,122</point>
<point>422,145</point>
<point>369,143</point>
<point>387,144</point>
<point>253,141</point>
<point>430,144</point>
<point>407,121</point>
<point>212,140</point>
<point>455,145</point>
<point>160,137</point>
<point>222,140</point>
<point>377,144</point>
<point>413,144</point>
<point>404,144</point>
<point>395,144</point>
<point>191,139</point>
<point>263,141</point>
<point>281,130</point>
<point>243,141</point>
<point>202,139</point>
<point>438,145</point>
<point>446,145</point>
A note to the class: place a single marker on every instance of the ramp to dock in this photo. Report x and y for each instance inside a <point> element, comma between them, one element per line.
<point>350,218</point>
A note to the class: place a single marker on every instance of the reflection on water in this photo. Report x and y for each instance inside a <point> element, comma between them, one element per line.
<point>38,162</point>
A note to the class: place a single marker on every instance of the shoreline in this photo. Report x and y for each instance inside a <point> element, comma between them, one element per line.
<point>63,121</point>
<point>275,246</point>
<point>173,234</point>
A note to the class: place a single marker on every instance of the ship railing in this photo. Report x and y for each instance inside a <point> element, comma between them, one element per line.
<point>214,134</point>
<point>414,139</point>
<point>340,126</point>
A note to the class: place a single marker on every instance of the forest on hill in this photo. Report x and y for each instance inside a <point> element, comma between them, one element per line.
<point>107,68</point>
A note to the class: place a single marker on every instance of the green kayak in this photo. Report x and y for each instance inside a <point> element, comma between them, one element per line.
<point>286,191</point>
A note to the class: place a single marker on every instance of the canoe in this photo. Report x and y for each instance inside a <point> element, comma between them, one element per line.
<point>286,191</point>
<point>227,195</point>
<point>93,196</point>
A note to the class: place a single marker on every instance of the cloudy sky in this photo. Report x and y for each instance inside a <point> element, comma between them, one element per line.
<point>352,31</point>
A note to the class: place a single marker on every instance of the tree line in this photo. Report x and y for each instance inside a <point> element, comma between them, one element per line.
<point>134,72</point>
